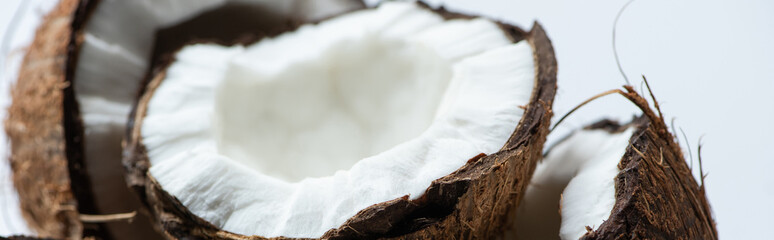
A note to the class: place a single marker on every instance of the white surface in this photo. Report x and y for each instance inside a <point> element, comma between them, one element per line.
<point>361,115</point>
<point>708,62</point>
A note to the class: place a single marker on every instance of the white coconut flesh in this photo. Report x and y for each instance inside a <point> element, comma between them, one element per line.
<point>113,61</point>
<point>573,186</point>
<point>293,135</point>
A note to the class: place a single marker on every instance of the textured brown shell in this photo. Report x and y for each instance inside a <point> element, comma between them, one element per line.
<point>472,202</point>
<point>39,149</point>
<point>656,194</point>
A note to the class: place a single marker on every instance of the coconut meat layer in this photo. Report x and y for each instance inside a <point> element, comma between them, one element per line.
<point>314,117</point>
<point>573,187</point>
<point>293,135</point>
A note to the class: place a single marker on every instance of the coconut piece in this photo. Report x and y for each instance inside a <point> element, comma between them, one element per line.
<point>457,172</point>
<point>656,194</point>
<point>611,181</point>
<point>25,21</point>
<point>76,88</point>
<point>40,158</point>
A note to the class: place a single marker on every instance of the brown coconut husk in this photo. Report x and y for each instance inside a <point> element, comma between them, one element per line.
<point>472,202</point>
<point>45,164</point>
<point>656,194</point>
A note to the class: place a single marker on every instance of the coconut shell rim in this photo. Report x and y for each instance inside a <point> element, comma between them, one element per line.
<point>77,189</point>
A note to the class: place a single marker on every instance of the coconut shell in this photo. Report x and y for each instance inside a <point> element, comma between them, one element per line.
<point>40,149</point>
<point>656,194</point>
<point>472,202</point>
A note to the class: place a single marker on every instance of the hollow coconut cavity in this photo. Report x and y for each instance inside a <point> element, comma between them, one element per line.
<point>77,84</point>
<point>397,121</point>
<point>611,181</point>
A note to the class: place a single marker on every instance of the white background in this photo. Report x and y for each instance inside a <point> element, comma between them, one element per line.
<point>709,63</point>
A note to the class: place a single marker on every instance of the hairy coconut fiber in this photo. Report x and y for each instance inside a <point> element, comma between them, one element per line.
<point>40,148</point>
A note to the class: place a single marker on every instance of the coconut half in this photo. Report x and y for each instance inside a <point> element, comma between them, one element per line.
<point>36,133</point>
<point>398,121</point>
<point>611,181</point>
<point>76,87</point>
